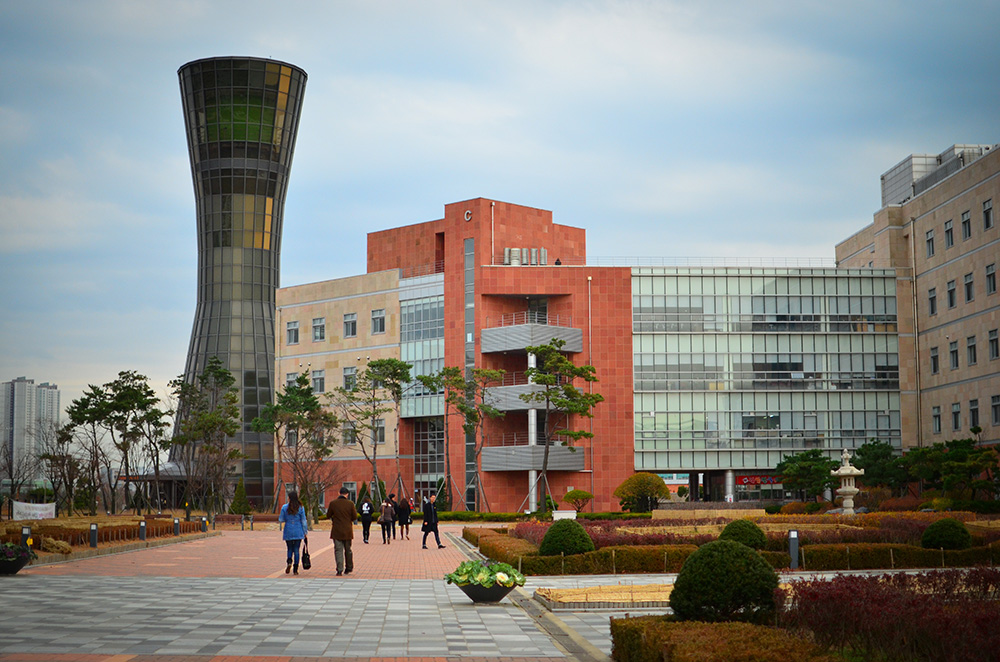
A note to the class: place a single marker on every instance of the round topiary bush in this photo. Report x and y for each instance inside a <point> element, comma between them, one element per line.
<point>746,533</point>
<point>946,533</point>
<point>565,536</point>
<point>724,581</point>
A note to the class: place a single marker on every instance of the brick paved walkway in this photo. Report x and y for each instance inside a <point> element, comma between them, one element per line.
<point>262,554</point>
<point>227,599</point>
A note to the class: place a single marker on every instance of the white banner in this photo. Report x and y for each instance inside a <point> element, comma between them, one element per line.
<point>34,510</point>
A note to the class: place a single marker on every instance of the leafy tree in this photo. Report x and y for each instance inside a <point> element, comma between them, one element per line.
<point>306,435</point>
<point>132,416</point>
<point>240,504</point>
<point>808,472</point>
<point>468,398</point>
<point>954,467</point>
<point>682,491</point>
<point>578,499</point>
<point>641,492</point>
<point>555,373</point>
<point>208,415</point>
<point>87,415</point>
<point>883,466</point>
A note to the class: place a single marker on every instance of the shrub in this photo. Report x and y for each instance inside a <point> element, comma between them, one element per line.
<point>56,546</point>
<point>947,534</point>
<point>724,581</point>
<point>650,638</point>
<point>940,616</point>
<point>567,536</point>
<point>578,499</point>
<point>240,504</point>
<point>772,508</point>
<point>641,492</point>
<point>744,532</point>
<point>794,508</point>
<point>907,502</point>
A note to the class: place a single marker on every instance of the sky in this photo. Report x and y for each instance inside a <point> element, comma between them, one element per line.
<point>665,129</point>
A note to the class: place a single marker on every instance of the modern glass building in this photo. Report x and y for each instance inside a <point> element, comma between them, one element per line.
<point>737,367</point>
<point>241,115</point>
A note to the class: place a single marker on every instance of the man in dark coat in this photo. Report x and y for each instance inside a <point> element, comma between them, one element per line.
<point>431,521</point>
<point>342,514</point>
<point>395,513</point>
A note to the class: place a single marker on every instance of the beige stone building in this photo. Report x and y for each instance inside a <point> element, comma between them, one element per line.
<point>938,230</point>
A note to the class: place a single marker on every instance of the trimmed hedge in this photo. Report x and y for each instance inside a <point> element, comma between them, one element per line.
<point>657,638</point>
<point>566,536</point>
<point>613,516</point>
<point>885,556</point>
<point>724,581</point>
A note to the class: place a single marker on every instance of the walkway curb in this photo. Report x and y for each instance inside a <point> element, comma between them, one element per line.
<point>50,559</point>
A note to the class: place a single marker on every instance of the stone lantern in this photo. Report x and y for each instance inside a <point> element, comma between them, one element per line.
<point>847,473</point>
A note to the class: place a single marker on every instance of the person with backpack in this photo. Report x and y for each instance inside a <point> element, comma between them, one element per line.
<point>367,512</point>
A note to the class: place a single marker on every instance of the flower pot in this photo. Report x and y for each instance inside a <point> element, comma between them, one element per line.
<point>12,566</point>
<point>478,593</point>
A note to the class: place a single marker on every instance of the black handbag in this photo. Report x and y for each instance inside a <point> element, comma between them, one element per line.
<point>306,561</point>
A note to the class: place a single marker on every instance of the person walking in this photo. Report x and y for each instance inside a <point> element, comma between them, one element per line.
<point>342,515</point>
<point>395,513</point>
<point>385,519</point>
<point>367,511</point>
<point>296,529</point>
<point>431,521</point>
<point>404,518</point>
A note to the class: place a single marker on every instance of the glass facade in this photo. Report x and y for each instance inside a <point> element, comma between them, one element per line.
<point>734,368</point>
<point>241,117</point>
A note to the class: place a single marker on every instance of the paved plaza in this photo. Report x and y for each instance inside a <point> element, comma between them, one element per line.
<point>227,597</point>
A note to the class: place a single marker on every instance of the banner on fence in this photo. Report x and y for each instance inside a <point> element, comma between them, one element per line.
<point>34,510</point>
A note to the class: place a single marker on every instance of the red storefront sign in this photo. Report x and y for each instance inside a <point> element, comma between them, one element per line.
<point>758,480</point>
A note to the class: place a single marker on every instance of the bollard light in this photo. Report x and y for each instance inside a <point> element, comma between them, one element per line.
<point>26,536</point>
<point>142,530</point>
<point>204,524</point>
<point>793,548</point>
<point>177,527</point>
<point>93,534</point>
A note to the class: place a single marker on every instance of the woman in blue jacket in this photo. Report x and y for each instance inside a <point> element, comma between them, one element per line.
<point>296,529</point>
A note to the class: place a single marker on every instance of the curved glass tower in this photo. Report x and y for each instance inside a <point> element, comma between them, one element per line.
<point>241,115</point>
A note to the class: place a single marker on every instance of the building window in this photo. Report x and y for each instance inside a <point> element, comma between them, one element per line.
<point>966,225</point>
<point>319,329</point>
<point>378,321</point>
<point>930,243</point>
<point>956,416</point>
<point>995,406</point>
<point>952,296</point>
<point>936,419</point>
<point>290,379</point>
<point>348,434</point>
<point>970,349</point>
<point>973,413</point>
<point>932,301</point>
<point>292,333</point>
<point>988,214</point>
<point>935,365</point>
<point>319,381</point>
<point>350,325</point>
<point>352,490</point>
<point>291,437</point>
<point>350,378</point>
<point>953,353</point>
<point>994,345</point>
<point>949,235</point>
<point>991,278</point>
<point>969,290</point>
<point>379,432</point>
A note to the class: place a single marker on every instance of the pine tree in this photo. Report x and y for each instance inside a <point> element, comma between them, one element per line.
<point>240,504</point>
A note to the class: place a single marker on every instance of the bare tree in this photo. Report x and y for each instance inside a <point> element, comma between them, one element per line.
<point>19,469</point>
<point>60,463</point>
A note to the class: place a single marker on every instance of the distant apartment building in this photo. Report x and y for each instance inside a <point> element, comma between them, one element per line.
<point>713,371</point>
<point>937,229</point>
<point>28,412</point>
